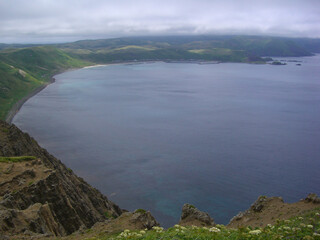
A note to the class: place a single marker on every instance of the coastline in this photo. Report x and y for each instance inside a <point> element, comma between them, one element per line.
<point>17,106</point>
<point>69,70</point>
<point>15,109</point>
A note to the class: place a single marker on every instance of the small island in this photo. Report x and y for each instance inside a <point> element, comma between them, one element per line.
<point>278,63</point>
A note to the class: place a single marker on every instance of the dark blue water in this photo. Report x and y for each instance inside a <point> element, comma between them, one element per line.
<point>159,135</point>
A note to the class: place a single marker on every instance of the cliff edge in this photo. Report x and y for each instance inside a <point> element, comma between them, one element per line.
<point>38,194</point>
<point>269,210</point>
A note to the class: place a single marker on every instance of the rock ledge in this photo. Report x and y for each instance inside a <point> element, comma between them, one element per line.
<point>192,216</point>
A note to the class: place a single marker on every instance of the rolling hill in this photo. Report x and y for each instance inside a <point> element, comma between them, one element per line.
<point>26,68</point>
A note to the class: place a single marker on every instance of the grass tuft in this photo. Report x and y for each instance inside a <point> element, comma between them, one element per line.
<point>17,159</point>
<point>140,210</point>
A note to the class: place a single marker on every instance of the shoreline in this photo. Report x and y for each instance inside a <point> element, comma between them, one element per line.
<point>15,109</point>
<point>71,70</point>
<point>17,106</point>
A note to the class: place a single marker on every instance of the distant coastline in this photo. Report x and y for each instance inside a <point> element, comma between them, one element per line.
<point>15,109</point>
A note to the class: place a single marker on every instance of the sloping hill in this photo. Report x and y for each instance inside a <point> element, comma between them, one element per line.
<point>40,194</point>
<point>216,48</point>
<point>23,71</point>
<point>40,62</point>
<point>15,84</point>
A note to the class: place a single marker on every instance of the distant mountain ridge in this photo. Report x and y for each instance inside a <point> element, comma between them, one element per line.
<point>41,197</point>
<point>27,68</point>
<point>211,48</point>
<point>253,44</point>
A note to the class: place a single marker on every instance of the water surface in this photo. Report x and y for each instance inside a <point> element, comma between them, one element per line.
<point>159,135</point>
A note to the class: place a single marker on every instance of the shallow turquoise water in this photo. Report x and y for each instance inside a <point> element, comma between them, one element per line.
<point>158,135</point>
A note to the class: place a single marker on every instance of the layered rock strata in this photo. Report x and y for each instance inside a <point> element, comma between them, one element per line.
<point>267,210</point>
<point>42,195</point>
<point>191,216</point>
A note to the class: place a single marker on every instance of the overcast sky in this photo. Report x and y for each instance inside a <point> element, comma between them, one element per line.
<point>47,21</point>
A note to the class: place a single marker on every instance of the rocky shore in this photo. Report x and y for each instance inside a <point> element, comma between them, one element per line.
<point>42,195</point>
<point>41,198</point>
<point>15,109</point>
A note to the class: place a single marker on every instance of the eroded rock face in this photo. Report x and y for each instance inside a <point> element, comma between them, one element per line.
<point>192,216</point>
<point>266,210</point>
<point>138,220</point>
<point>143,219</point>
<point>257,207</point>
<point>261,202</point>
<point>313,198</point>
<point>49,199</point>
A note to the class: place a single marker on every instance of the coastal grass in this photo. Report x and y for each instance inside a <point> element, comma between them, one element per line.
<point>14,85</point>
<point>24,71</point>
<point>306,227</point>
<point>17,159</point>
<point>40,62</point>
<point>140,210</point>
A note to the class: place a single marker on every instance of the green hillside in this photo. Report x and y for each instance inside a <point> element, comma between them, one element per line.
<point>25,69</point>
<point>22,71</point>
<point>212,48</point>
<point>14,85</point>
<point>305,227</point>
<point>302,227</point>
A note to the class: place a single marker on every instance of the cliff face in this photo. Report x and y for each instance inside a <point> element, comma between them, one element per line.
<point>42,195</point>
<point>266,210</point>
<point>191,216</point>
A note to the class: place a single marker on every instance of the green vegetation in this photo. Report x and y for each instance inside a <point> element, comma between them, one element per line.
<point>40,62</point>
<point>22,71</point>
<point>26,68</point>
<point>17,159</point>
<point>109,215</point>
<point>140,210</point>
<point>305,227</point>
<point>205,48</point>
<point>14,86</point>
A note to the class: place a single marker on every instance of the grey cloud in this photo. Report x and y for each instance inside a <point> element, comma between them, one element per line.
<point>60,20</point>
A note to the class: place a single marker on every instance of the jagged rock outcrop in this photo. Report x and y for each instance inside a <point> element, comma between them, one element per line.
<point>313,198</point>
<point>143,219</point>
<point>256,207</point>
<point>137,220</point>
<point>192,216</point>
<point>266,210</point>
<point>43,196</point>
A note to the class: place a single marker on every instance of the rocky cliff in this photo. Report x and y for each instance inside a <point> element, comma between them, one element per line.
<point>267,210</point>
<point>40,197</point>
<point>191,216</point>
<point>39,194</point>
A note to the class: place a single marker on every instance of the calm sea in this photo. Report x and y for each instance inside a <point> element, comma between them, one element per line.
<point>158,135</point>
